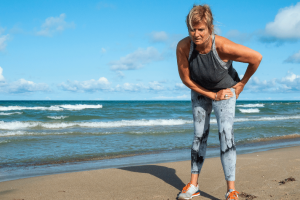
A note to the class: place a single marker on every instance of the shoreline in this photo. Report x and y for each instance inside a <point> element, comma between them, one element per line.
<point>258,175</point>
<point>16,173</point>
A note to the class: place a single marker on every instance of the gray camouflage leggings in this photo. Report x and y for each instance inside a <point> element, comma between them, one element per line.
<point>224,112</point>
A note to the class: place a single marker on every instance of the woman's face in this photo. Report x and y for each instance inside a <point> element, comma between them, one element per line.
<point>200,33</point>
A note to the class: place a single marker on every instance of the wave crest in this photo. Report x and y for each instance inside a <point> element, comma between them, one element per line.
<point>123,123</point>
<point>52,108</point>
<point>57,117</point>
<point>13,113</point>
<point>251,110</point>
<point>251,105</point>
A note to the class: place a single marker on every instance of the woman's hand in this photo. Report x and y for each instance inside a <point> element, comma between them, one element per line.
<point>224,94</point>
<point>238,88</point>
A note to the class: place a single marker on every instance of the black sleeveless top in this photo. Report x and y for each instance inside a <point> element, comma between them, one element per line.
<point>209,71</point>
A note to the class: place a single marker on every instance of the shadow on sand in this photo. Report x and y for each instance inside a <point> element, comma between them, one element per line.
<point>166,174</point>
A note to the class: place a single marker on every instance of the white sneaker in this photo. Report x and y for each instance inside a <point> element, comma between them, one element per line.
<point>232,195</point>
<point>189,191</point>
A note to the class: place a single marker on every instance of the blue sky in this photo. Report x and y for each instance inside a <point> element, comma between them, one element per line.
<point>125,50</point>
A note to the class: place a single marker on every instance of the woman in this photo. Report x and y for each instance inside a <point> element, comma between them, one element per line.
<point>205,66</point>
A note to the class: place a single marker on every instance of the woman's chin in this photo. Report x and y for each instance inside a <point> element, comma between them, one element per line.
<point>198,42</point>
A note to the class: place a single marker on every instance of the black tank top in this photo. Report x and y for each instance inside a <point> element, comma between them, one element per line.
<point>209,71</point>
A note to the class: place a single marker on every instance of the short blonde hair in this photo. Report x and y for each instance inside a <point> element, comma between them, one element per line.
<point>199,13</point>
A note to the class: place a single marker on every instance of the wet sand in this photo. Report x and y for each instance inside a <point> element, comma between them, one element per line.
<point>273,174</point>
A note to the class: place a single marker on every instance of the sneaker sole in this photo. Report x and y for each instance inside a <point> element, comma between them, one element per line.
<point>194,195</point>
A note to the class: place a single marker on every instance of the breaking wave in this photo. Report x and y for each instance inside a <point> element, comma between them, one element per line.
<point>51,108</point>
<point>57,117</point>
<point>251,105</point>
<point>123,123</point>
<point>13,113</point>
<point>251,110</point>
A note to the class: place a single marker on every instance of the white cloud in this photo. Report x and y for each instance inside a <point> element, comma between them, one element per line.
<point>181,86</point>
<point>24,86</point>
<point>1,75</point>
<point>103,4</point>
<point>103,50</point>
<point>257,85</point>
<point>155,86</point>
<point>3,39</point>
<point>286,24</point>
<point>53,25</point>
<point>289,83</point>
<point>158,36</point>
<point>120,74</point>
<point>238,37</point>
<point>136,59</point>
<point>171,41</point>
<point>132,87</point>
<point>140,87</point>
<point>295,58</point>
<point>86,86</point>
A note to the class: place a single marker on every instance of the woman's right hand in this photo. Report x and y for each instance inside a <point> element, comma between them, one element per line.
<point>221,95</point>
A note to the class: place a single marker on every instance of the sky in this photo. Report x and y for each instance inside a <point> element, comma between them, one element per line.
<point>126,50</point>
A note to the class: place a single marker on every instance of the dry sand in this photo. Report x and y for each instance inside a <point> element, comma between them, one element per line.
<point>258,174</point>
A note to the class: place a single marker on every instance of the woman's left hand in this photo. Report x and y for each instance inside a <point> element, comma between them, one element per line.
<point>238,88</point>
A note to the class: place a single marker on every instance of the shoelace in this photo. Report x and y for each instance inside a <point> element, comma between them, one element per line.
<point>186,188</point>
<point>233,195</point>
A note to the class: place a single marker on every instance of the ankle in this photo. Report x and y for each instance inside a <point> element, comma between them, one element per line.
<point>194,183</point>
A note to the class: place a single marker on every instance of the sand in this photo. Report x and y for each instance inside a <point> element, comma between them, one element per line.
<point>258,175</point>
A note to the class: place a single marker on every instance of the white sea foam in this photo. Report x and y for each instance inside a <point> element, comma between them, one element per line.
<point>6,108</point>
<point>112,124</point>
<point>57,117</point>
<point>13,113</point>
<point>267,118</point>
<point>51,108</point>
<point>17,125</point>
<point>80,106</point>
<point>251,105</point>
<point>251,110</point>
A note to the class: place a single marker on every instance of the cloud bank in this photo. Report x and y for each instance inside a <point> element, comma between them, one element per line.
<point>289,83</point>
<point>24,86</point>
<point>86,86</point>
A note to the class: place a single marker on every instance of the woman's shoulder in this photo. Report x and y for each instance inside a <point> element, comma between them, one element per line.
<point>222,43</point>
<point>184,45</point>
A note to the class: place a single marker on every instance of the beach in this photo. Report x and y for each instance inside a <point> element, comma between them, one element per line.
<point>140,150</point>
<point>258,176</point>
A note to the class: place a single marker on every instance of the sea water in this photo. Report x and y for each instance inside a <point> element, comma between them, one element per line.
<point>42,135</point>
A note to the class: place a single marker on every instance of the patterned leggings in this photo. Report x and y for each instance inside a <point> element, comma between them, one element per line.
<point>224,112</point>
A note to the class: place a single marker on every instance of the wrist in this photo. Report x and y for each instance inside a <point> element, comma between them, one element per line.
<point>216,96</point>
<point>243,81</point>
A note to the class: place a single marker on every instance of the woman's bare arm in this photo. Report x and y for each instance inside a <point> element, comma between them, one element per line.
<point>229,50</point>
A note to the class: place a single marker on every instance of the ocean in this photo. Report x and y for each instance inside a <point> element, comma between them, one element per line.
<point>44,137</point>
